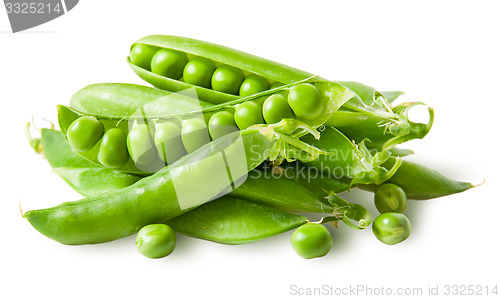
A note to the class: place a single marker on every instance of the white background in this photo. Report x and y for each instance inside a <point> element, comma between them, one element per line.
<point>445,53</point>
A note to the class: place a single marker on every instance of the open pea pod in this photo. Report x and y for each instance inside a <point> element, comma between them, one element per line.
<point>220,74</point>
<point>143,141</point>
<point>150,56</point>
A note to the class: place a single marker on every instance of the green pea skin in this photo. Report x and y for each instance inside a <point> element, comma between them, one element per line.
<point>113,149</point>
<point>155,241</point>
<point>275,85</point>
<point>391,228</point>
<point>275,108</point>
<point>253,84</point>
<point>84,133</point>
<point>248,114</point>
<point>140,145</point>
<point>305,101</point>
<point>168,142</point>
<point>199,71</point>
<point>169,63</point>
<point>141,55</point>
<point>390,198</point>
<point>221,123</point>
<point>194,134</point>
<point>227,79</point>
<point>311,240</point>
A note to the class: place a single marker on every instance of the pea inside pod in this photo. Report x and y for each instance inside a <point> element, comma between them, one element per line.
<point>149,150</point>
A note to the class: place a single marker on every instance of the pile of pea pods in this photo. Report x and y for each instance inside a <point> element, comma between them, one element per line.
<point>231,148</point>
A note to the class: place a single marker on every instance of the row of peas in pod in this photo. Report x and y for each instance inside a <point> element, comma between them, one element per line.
<point>199,71</point>
<point>152,144</point>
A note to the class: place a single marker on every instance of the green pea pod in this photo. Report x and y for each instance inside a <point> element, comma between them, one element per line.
<point>172,191</point>
<point>229,220</point>
<point>346,159</point>
<point>220,55</point>
<point>331,95</point>
<point>90,180</point>
<point>87,178</point>
<point>124,100</point>
<point>369,108</point>
<point>420,182</point>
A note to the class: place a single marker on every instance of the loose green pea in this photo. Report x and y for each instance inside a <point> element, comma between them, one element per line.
<point>253,84</point>
<point>168,142</point>
<point>276,108</point>
<point>84,133</point>
<point>140,145</point>
<point>276,85</point>
<point>248,114</point>
<point>221,123</point>
<point>305,101</point>
<point>199,71</point>
<point>391,228</point>
<point>227,79</point>
<point>390,198</point>
<point>311,240</point>
<point>169,63</point>
<point>113,149</point>
<point>194,134</point>
<point>141,55</point>
<point>155,241</point>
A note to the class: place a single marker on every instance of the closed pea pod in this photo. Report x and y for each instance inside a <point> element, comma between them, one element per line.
<point>231,220</point>
<point>113,149</point>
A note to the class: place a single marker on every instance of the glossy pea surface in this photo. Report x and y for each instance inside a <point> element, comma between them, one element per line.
<point>221,123</point>
<point>113,149</point>
<point>155,241</point>
<point>227,79</point>
<point>141,55</point>
<point>84,133</point>
<point>199,71</point>
<point>248,114</point>
<point>169,63</point>
<point>305,101</point>
<point>390,198</point>
<point>253,84</point>
<point>140,145</point>
<point>391,228</point>
<point>194,134</point>
<point>275,108</point>
<point>311,240</point>
<point>168,142</point>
